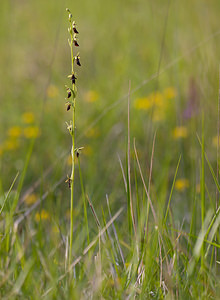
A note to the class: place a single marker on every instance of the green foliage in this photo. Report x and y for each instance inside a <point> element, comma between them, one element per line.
<point>146,195</point>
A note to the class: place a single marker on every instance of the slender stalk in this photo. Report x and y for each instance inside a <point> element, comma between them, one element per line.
<point>73,157</point>
<point>71,92</point>
<point>130,203</point>
<point>72,183</point>
<point>217,158</point>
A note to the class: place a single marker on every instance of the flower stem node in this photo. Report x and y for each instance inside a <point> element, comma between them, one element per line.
<point>70,127</point>
<point>70,30</point>
<point>77,151</point>
<point>68,181</point>
<point>73,78</point>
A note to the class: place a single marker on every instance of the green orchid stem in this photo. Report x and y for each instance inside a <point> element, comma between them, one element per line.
<point>73,146</point>
<point>72,184</point>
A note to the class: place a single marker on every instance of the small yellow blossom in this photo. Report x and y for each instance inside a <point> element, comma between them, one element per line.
<point>180,132</point>
<point>157,99</point>
<point>43,215</point>
<point>127,265</point>
<point>14,131</point>
<point>28,118</point>
<point>30,199</point>
<point>92,133</point>
<point>154,99</point>
<point>52,91</point>
<point>143,103</point>
<point>91,96</point>
<point>31,132</point>
<point>181,184</point>
<point>215,141</point>
<point>169,93</point>
<point>11,144</point>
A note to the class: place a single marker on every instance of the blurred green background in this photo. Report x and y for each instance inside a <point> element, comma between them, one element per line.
<point>167,50</point>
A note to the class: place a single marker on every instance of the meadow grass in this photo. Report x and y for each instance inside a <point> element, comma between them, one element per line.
<point>146,214</point>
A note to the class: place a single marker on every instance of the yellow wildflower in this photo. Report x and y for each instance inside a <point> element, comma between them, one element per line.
<point>28,117</point>
<point>169,93</point>
<point>143,103</point>
<point>52,91</point>
<point>157,99</point>
<point>181,184</point>
<point>215,141</point>
<point>14,131</point>
<point>11,144</point>
<point>154,99</point>
<point>91,96</point>
<point>43,215</point>
<point>30,199</point>
<point>180,132</point>
<point>31,132</point>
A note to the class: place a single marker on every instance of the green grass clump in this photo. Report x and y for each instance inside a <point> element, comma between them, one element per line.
<point>144,219</point>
